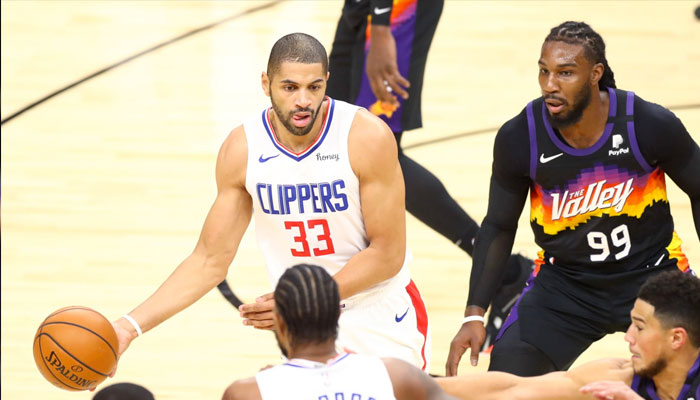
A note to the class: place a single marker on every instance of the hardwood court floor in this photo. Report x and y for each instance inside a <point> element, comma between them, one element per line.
<point>105,186</point>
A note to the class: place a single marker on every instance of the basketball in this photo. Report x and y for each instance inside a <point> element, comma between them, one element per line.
<point>75,348</point>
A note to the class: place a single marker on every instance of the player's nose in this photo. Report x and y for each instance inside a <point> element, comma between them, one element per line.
<point>303,99</point>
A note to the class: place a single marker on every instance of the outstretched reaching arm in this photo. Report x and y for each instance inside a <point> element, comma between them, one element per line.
<point>411,383</point>
<point>207,265</point>
<point>554,385</point>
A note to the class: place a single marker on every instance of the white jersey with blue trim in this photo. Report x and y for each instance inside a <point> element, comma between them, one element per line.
<point>347,376</point>
<point>307,205</point>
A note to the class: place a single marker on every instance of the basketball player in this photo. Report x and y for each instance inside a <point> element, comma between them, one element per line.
<point>378,62</point>
<point>664,339</point>
<point>593,158</point>
<point>306,314</point>
<point>322,178</point>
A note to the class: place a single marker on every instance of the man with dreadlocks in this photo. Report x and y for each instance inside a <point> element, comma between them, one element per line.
<point>306,315</point>
<point>593,158</point>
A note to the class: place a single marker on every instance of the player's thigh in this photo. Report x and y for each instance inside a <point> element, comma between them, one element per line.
<point>387,326</point>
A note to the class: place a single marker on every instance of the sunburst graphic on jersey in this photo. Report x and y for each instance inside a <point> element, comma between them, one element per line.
<point>602,190</point>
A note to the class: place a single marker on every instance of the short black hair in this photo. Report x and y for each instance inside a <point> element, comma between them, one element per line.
<point>308,300</point>
<point>676,299</point>
<point>296,47</point>
<point>124,391</point>
<point>581,33</point>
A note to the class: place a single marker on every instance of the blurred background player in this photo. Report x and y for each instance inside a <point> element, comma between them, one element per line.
<point>378,62</point>
<point>306,315</point>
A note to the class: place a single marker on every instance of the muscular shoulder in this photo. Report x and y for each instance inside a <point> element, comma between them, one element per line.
<point>243,389</point>
<point>232,159</point>
<point>371,143</point>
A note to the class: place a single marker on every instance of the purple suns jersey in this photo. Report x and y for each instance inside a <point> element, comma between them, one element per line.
<point>690,391</point>
<point>307,205</point>
<point>346,376</point>
<point>604,205</point>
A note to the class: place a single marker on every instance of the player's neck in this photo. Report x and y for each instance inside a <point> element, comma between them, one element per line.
<point>294,142</point>
<point>314,352</point>
<point>670,381</point>
<point>586,132</point>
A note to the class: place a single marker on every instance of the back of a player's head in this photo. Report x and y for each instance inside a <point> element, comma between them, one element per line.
<point>676,300</point>
<point>307,299</point>
<point>581,33</point>
<point>296,47</point>
<point>123,391</point>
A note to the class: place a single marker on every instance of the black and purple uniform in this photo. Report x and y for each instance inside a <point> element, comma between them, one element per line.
<point>690,391</point>
<point>601,217</point>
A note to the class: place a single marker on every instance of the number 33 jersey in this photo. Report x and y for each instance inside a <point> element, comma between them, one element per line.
<point>306,205</point>
<point>603,205</point>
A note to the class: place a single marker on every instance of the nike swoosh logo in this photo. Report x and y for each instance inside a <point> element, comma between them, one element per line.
<point>379,11</point>
<point>545,160</point>
<point>263,159</point>
<point>399,319</point>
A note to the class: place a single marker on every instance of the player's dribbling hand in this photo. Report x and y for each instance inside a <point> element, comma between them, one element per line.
<point>470,336</point>
<point>124,338</point>
<point>259,314</point>
<point>610,390</point>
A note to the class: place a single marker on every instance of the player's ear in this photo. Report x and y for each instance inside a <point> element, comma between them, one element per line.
<point>678,337</point>
<point>280,325</point>
<point>597,73</point>
<point>265,81</point>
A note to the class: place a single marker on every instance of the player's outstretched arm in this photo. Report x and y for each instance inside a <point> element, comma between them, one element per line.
<point>411,383</point>
<point>554,385</point>
<point>374,159</point>
<point>202,270</point>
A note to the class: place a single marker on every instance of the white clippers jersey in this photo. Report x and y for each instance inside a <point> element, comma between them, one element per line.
<point>307,205</point>
<point>347,376</point>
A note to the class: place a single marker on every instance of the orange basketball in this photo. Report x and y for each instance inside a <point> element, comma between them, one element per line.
<point>75,348</point>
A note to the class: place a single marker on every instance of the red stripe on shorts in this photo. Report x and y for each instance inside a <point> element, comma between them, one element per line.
<point>421,315</point>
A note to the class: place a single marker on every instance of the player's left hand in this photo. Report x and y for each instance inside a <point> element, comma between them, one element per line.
<point>259,314</point>
<point>610,390</point>
<point>382,68</point>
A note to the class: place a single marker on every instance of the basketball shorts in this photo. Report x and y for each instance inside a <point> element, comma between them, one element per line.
<point>413,25</point>
<point>393,322</point>
<point>562,312</point>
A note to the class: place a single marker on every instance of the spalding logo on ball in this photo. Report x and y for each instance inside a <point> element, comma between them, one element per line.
<point>75,348</point>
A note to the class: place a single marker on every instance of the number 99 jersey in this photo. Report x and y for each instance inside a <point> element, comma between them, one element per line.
<point>600,206</point>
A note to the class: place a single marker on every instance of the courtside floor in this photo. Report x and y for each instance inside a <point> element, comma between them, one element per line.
<point>105,186</point>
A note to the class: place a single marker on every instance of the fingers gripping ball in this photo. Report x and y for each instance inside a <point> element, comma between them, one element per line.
<point>75,348</point>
